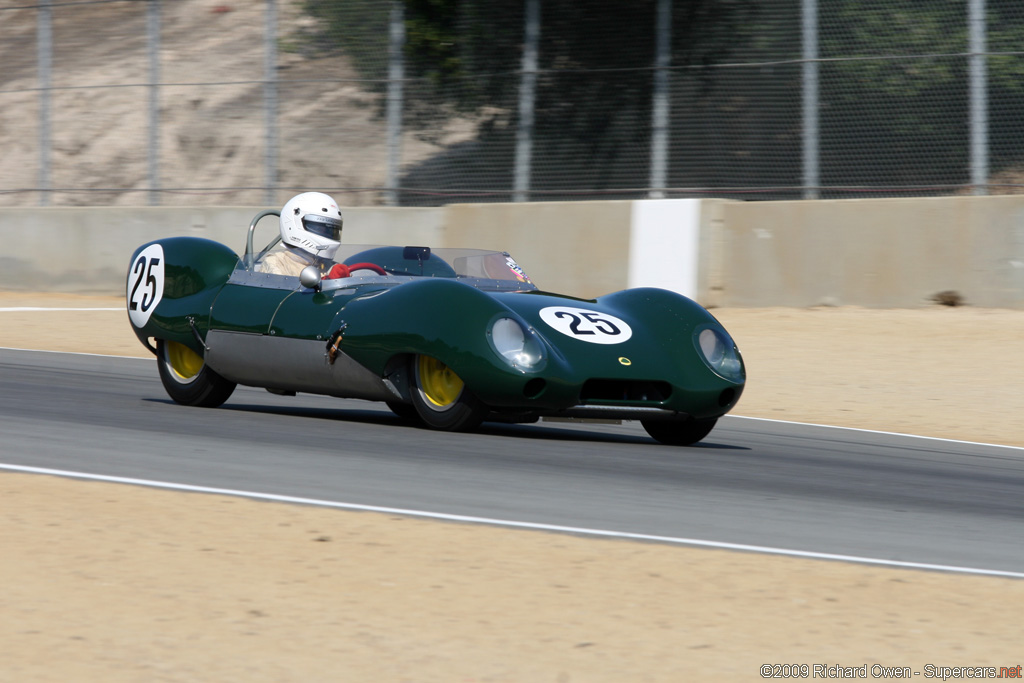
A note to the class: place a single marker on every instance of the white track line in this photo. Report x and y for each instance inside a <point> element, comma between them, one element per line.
<point>18,309</point>
<point>514,524</point>
<point>75,353</point>
<point>875,431</point>
<point>544,527</point>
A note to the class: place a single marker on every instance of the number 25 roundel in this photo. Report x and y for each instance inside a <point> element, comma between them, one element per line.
<point>145,284</point>
<point>587,325</point>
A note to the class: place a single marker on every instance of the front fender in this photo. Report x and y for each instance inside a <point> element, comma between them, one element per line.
<point>442,318</point>
<point>447,320</point>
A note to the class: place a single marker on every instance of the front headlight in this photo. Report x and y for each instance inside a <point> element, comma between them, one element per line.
<point>718,350</point>
<point>516,345</point>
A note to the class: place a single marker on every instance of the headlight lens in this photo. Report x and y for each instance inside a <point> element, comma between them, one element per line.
<point>517,346</point>
<point>719,351</point>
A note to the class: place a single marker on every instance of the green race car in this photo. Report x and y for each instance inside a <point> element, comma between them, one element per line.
<point>451,337</point>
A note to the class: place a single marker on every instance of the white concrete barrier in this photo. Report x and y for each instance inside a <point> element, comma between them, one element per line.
<point>664,245</point>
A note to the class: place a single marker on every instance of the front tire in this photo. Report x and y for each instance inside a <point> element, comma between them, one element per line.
<point>679,433</point>
<point>187,379</point>
<point>441,399</point>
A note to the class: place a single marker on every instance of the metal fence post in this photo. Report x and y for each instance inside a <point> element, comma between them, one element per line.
<point>979,97</point>
<point>527,96</point>
<point>809,32</point>
<point>153,28</point>
<point>270,102</point>
<point>44,59</point>
<point>396,74</point>
<point>659,116</point>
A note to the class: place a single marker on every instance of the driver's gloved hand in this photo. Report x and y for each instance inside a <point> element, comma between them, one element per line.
<point>338,270</point>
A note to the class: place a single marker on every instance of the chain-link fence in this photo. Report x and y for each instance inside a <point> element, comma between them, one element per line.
<point>137,102</point>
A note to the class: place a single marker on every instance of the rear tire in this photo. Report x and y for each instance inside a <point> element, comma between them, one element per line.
<point>187,379</point>
<point>402,410</point>
<point>441,399</point>
<point>679,433</point>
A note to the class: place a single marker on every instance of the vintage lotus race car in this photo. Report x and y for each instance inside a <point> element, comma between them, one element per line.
<point>451,337</point>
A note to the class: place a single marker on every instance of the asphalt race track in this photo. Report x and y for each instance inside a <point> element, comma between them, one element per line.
<point>752,482</point>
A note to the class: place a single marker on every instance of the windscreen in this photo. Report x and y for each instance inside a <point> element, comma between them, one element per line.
<point>486,268</point>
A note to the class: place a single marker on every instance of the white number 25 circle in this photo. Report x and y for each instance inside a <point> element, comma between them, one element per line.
<point>145,284</point>
<point>587,325</point>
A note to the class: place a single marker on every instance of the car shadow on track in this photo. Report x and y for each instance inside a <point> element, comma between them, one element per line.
<point>548,432</point>
<point>384,417</point>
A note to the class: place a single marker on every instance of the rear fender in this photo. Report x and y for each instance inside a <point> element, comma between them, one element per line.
<point>171,285</point>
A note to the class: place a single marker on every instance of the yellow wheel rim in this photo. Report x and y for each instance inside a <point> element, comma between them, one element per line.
<point>440,385</point>
<point>185,362</point>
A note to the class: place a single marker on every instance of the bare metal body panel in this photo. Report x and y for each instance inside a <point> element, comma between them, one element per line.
<point>286,364</point>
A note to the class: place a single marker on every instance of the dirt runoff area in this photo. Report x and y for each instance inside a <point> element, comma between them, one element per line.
<point>111,583</point>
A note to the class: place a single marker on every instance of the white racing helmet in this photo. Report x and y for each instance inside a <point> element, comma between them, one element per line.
<point>311,221</point>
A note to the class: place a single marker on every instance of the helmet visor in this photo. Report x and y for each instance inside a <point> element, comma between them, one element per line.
<point>324,226</point>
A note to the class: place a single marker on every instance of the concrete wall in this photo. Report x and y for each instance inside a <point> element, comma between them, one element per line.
<point>86,250</point>
<point>574,248</point>
<point>888,253</point>
<point>577,248</point>
<point>876,253</point>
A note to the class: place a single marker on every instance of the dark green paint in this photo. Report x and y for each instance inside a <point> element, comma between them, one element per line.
<point>246,309</point>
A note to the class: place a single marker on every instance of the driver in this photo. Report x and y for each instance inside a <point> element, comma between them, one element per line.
<point>311,232</point>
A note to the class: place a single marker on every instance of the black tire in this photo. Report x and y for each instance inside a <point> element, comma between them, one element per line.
<point>403,410</point>
<point>441,399</point>
<point>679,433</point>
<point>186,378</point>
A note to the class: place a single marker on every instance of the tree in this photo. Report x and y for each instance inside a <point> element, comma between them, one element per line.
<point>893,89</point>
<point>593,95</point>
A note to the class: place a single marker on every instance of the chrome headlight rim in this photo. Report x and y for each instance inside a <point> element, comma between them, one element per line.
<point>516,344</point>
<point>719,352</point>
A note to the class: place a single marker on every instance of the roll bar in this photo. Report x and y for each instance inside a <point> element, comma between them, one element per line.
<point>250,256</point>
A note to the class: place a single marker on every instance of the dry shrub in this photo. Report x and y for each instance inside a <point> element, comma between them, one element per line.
<point>948,297</point>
